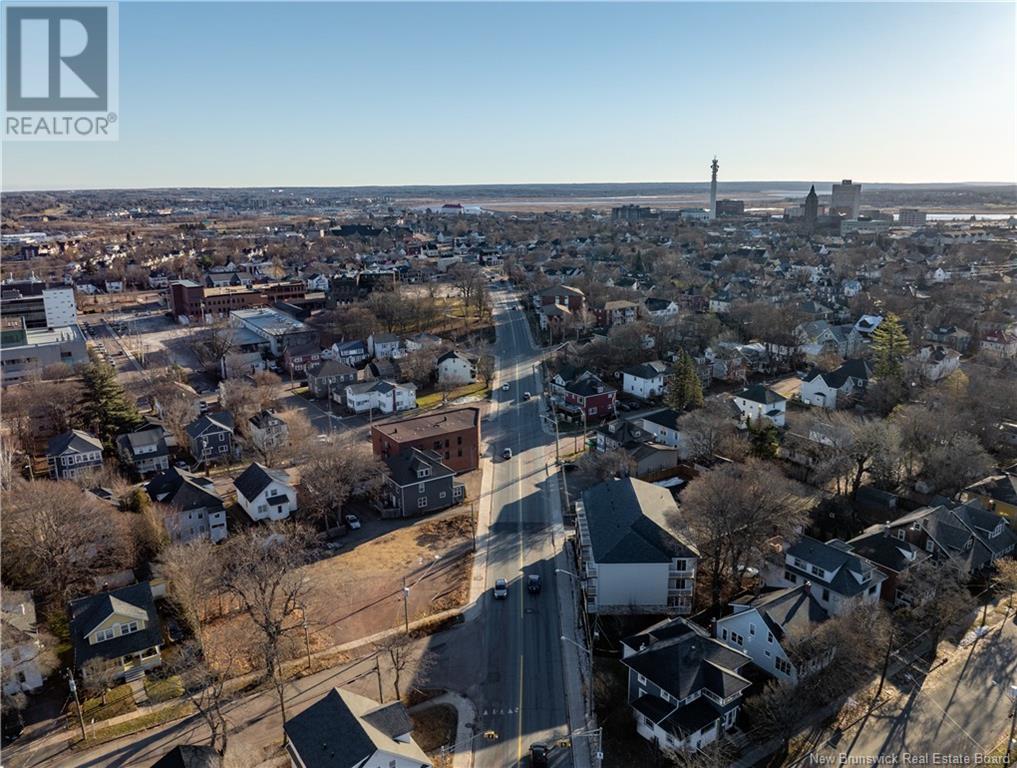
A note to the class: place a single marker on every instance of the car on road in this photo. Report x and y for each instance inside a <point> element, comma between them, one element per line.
<point>352,521</point>
<point>507,453</point>
<point>500,589</point>
<point>533,584</point>
<point>505,387</point>
<point>527,395</point>
<point>539,756</point>
<point>569,466</point>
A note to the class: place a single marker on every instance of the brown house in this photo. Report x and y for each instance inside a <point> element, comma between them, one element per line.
<point>453,434</point>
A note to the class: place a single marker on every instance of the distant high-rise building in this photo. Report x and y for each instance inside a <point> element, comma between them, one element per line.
<point>811,208</point>
<point>847,199</point>
<point>714,167</point>
<point>632,213</point>
<point>912,217</point>
<point>730,207</point>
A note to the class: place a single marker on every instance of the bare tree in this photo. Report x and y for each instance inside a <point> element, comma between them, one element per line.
<point>397,649</point>
<point>99,675</point>
<point>939,596</point>
<point>263,573</point>
<point>193,572</point>
<point>205,688</point>
<point>597,466</point>
<point>213,344</point>
<point>709,432</point>
<point>334,473</point>
<point>953,462</point>
<point>56,538</point>
<point>733,510</point>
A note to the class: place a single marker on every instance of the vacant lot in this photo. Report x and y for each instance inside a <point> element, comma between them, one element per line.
<point>358,593</point>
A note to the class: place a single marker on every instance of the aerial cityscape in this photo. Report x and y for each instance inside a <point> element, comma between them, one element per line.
<point>441,385</point>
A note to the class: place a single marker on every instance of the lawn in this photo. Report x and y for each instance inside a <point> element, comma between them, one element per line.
<point>119,701</point>
<point>160,690</point>
<point>434,399</point>
<point>103,734</point>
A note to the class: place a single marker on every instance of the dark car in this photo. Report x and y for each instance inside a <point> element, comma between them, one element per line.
<point>533,584</point>
<point>12,727</point>
<point>539,755</point>
<point>173,630</point>
<point>569,466</point>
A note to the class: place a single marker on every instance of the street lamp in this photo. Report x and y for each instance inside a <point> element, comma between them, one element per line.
<point>567,573</point>
<point>580,647</point>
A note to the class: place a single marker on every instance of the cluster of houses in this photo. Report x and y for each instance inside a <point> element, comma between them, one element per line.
<point>687,675</point>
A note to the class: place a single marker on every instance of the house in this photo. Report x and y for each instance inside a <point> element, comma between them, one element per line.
<point>818,337</point>
<point>349,352</point>
<point>894,556</point>
<point>617,312</point>
<point>265,494</point>
<point>298,359</point>
<point>452,433</point>
<point>684,687</point>
<point>145,450</point>
<point>973,536</point>
<point>768,628</point>
<point>663,425</point>
<point>383,345</point>
<point>562,295</point>
<point>267,430</point>
<point>834,389</point>
<point>867,324</point>
<point>660,310</point>
<point>330,376</point>
<point>457,368</point>
<point>72,454</point>
<point>418,482</point>
<point>646,380</point>
<point>584,396</point>
<point>194,508</point>
<point>210,437</point>
<point>757,402</point>
<point>841,579</point>
<point>1002,343</point>
<point>345,730</point>
<point>381,395</point>
<point>619,433</point>
<point>632,561</point>
<point>720,302</point>
<point>936,362</point>
<point>21,644</point>
<point>951,336</point>
<point>120,629</point>
<point>554,317</point>
<point>996,492</point>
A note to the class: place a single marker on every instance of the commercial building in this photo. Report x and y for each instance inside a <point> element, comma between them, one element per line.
<point>730,207</point>
<point>912,217</point>
<point>26,351</point>
<point>191,302</point>
<point>453,434</point>
<point>847,199</point>
<point>280,330</point>
<point>39,305</point>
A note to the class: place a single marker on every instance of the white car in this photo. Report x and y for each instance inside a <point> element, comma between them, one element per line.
<point>353,522</point>
<point>500,589</point>
<point>507,453</point>
<point>505,387</point>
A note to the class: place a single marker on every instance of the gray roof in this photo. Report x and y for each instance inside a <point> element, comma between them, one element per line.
<point>256,478</point>
<point>74,441</point>
<point>667,418</point>
<point>265,418</point>
<point>403,468</point>
<point>682,658</point>
<point>87,613</point>
<point>183,489</point>
<point>838,561</point>
<point>757,393</point>
<point>789,611</point>
<point>887,551</point>
<point>329,367</point>
<point>132,442</point>
<point>650,370</point>
<point>190,756</point>
<point>627,521</point>
<point>211,422</point>
<point>342,730</point>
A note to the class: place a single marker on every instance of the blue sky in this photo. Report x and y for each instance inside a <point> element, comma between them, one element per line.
<point>259,94</point>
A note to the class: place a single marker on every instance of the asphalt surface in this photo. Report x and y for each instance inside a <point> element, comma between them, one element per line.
<point>521,696</point>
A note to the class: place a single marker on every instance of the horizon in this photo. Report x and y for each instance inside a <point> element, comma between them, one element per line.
<point>421,94</point>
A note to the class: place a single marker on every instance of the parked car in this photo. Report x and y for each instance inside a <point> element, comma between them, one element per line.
<point>533,584</point>
<point>569,466</point>
<point>507,453</point>
<point>500,589</point>
<point>353,522</point>
<point>505,387</point>
<point>526,395</point>
<point>173,630</point>
<point>539,755</point>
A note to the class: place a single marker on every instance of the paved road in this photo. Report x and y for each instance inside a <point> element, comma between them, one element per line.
<point>960,711</point>
<point>521,696</point>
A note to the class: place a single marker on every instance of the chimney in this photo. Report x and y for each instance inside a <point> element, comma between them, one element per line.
<point>713,627</point>
<point>886,528</point>
<point>807,587</point>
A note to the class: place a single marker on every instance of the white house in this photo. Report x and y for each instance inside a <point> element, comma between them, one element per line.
<point>646,380</point>
<point>663,425</point>
<point>937,362</point>
<point>758,402</point>
<point>383,345</point>
<point>345,730</point>
<point>764,626</point>
<point>830,389</point>
<point>839,579</point>
<point>632,561</point>
<point>457,368</point>
<point>21,647</point>
<point>265,494</point>
<point>381,395</point>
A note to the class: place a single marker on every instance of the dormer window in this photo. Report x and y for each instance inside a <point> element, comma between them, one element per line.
<point>424,472</point>
<point>128,628</point>
<point>103,635</point>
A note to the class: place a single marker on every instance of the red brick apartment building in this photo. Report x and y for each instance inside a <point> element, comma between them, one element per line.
<point>454,434</point>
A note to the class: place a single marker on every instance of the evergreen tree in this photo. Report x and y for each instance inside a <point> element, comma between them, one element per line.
<point>107,408</point>
<point>764,438</point>
<point>889,347</point>
<point>684,390</point>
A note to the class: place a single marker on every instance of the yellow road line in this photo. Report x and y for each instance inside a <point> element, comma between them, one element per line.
<point>519,736</point>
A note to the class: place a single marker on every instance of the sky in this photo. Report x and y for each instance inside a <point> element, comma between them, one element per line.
<point>344,94</point>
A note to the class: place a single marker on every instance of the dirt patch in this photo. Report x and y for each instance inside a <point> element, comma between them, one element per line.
<point>435,727</point>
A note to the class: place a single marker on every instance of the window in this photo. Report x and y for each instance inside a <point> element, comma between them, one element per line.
<point>593,411</point>
<point>929,546</point>
<point>752,630</point>
<point>421,502</point>
<point>723,634</point>
<point>872,589</point>
<point>437,444</point>
<point>799,563</point>
<point>783,666</point>
<point>103,635</point>
<point>460,453</point>
<point>421,487</point>
<point>817,571</point>
<point>128,628</point>
<point>769,638</point>
<point>459,440</point>
<point>442,495</point>
<point>826,595</point>
<point>790,577</point>
<point>737,639</point>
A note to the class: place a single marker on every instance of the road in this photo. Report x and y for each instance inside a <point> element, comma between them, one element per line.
<point>959,711</point>
<point>522,694</point>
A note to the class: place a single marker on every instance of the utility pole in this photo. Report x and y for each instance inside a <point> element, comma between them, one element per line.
<point>1013,724</point>
<point>307,639</point>
<point>77,703</point>
<point>377,671</point>
<point>886,666</point>
<point>406,607</point>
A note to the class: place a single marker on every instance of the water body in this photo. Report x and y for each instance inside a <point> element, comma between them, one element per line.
<point>968,216</point>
